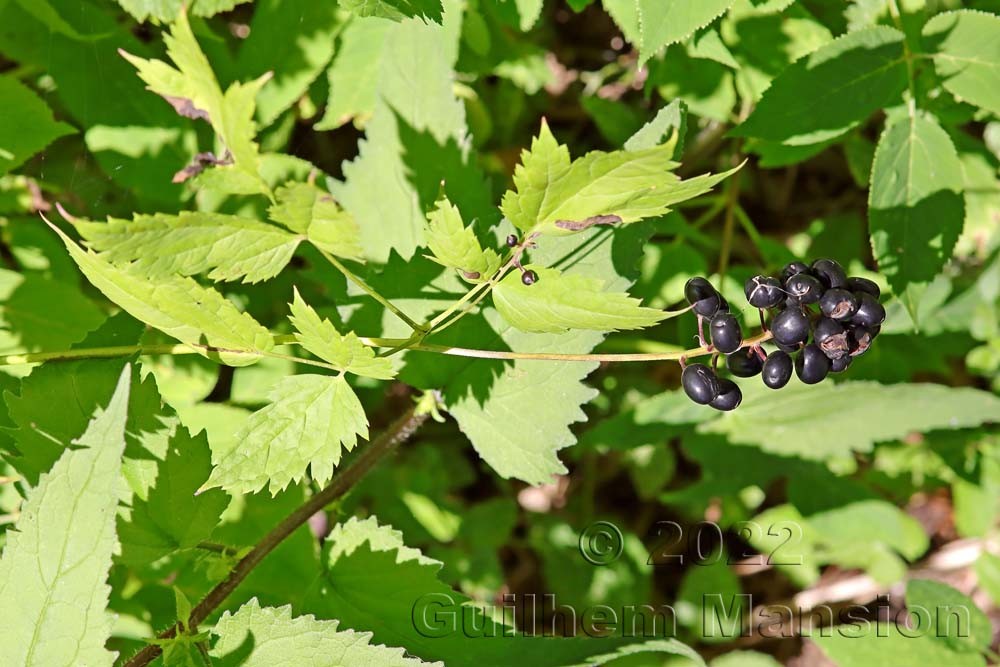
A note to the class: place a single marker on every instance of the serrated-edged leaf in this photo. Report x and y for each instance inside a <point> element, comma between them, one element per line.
<point>850,416</point>
<point>559,302</point>
<point>915,204</point>
<point>397,10</point>
<point>956,619</point>
<point>310,421</point>
<point>278,638</point>
<point>193,91</point>
<point>177,306</point>
<point>966,55</point>
<point>454,245</point>
<point>168,10</point>
<point>558,198</point>
<point>375,582</point>
<point>53,590</point>
<point>172,517</point>
<point>890,645</point>
<point>669,125</point>
<point>831,90</point>
<point>654,24</point>
<point>305,209</point>
<point>228,247</point>
<point>27,126</point>
<point>347,353</point>
<point>353,72</point>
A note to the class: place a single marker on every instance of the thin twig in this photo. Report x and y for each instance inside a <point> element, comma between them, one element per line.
<point>398,432</point>
<point>370,291</point>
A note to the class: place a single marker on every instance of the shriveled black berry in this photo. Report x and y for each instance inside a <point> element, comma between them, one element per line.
<point>703,297</point>
<point>838,304</point>
<point>700,383</point>
<point>840,365</point>
<point>512,240</point>
<point>870,312</point>
<point>529,277</point>
<point>858,284</point>
<point>729,396</point>
<point>725,332</point>
<point>763,292</point>
<point>830,273</point>
<point>831,337</point>
<point>811,365</point>
<point>804,288</point>
<point>777,369</point>
<point>744,363</point>
<point>790,326</point>
<point>859,339</point>
<point>792,268</point>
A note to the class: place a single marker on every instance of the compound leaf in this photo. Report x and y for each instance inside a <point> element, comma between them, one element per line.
<point>966,55</point>
<point>228,247</point>
<point>831,90</point>
<point>915,206</point>
<point>53,590</point>
<point>305,209</point>
<point>347,353</point>
<point>454,245</point>
<point>654,24</point>
<point>353,73</point>
<point>168,10</point>
<point>177,306</point>
<point>310,420</point>
<point>397,10</point>
<point>558,302</point>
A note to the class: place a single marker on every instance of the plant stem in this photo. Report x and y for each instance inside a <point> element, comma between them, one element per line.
<point>370,291</point>
<point>897,18</point>
<point>732,194</point>
<point>478,293</point>
<point>399,431</point>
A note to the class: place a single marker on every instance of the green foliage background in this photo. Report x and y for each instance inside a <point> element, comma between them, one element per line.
<point>251,203</point>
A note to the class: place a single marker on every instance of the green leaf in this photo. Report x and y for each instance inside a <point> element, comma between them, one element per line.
<point>353,73</point>
<point>454,245</point>
<point>179,307</point>
<point>228,247</point>
<point>557,197</point>
<point>987,570</point>
<point>669,125</point>
<point>172,517</point>
<point>831,90</point>
<point>310,420</point>
<point>654,24</point>
<point>168,10</point>
<point>27,126</point>
<point>53,572</point>
<point>275,637</point>
<point>850,416</point>
<point>915,205</point>
<point>558,302</point>
<point>305,209</point>
<point>347,353</point>
<point>397,10</point>
<point>296,61</point>
<point>529,11</point>
<point>416,140</point>
<point>869,644</point>
<point>955,618</point>
<point>966,55</point>
<point>193,91</point>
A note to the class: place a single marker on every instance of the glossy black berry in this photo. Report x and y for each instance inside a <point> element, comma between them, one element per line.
<point>700,383</point>
<point>790,349</point>
<point>830,273</point>
<point>763,292</point>
<point>725,332</point>
<point>729,396</point>
<point>792,268</point>
<point>777,369</point>
<point>840,365</point>
<point>744,363</point>
<point>804,288</point>
<point>529,277</point>
<point>831,337</point>
<point>857,284</point>
<point>838,304</point>
<point>811,365</point>
<point>859,339</point>
<point>870,312</point>
<point>703,297</point>
<point>790,326</point>
<point>512,240</point>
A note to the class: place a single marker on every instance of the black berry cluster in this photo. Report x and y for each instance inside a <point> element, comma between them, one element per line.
<point>820,320</point>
